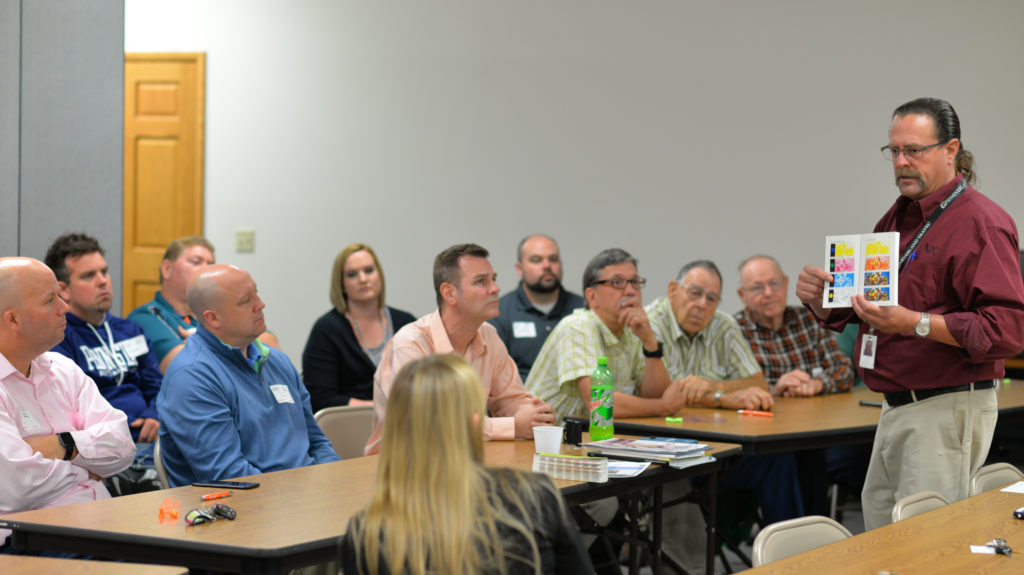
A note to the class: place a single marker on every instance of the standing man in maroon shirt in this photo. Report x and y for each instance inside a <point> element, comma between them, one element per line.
<point>961,312</point>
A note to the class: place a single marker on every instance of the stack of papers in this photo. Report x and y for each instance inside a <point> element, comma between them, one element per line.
<point>624,469</point>
<point>690,461</point>
<point>671,450</point>
<point>575,467</point>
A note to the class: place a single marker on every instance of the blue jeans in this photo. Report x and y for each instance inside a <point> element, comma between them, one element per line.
<point>144,455</point>
<point>774,477</point>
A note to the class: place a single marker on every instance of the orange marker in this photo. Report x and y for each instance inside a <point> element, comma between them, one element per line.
<point>217,495</point>
<point>755,412</point>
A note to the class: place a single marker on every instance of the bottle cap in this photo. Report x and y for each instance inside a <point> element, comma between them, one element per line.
<point>602,360</point>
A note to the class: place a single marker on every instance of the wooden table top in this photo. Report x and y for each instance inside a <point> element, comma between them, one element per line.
<point>300,508</point>
<point>290,508</point>
<point>1011,397</point>
<point>519,454</point>
<point>23,565</point>
<point>798,423</point>
<point>934,542</point>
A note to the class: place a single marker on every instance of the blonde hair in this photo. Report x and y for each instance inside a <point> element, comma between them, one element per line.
<point>338,296</point>
<point>433,498</point>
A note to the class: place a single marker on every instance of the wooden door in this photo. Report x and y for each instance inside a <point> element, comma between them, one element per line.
<point>163,163</point>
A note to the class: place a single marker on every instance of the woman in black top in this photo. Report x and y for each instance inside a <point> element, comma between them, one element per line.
<point>345,344</point>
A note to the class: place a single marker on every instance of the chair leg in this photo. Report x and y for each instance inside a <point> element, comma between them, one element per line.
<point>724,560</point>
<point>833,497</point>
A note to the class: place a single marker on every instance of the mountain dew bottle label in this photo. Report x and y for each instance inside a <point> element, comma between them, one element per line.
<point>602,390</point>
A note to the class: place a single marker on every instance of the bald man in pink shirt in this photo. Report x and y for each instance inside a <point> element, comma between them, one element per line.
<point>58,437</point>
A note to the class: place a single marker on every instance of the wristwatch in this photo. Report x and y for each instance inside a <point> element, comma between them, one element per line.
<point>924,325</point>
<point>718,398</point>
<point>660,352</point>
<point>67,441</point>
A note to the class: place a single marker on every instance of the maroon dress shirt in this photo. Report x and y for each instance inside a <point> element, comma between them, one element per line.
<point>967,268</point>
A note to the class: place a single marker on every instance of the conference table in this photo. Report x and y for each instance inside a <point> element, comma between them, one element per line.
<point>24,565</point>
<point>295,518</point>
<point>798,422</point>
<point>934,542</point>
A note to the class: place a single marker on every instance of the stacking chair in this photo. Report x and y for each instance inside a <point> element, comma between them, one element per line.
<point>348,427</point>
<point>158,462</point>
<point>785,538</point>
<point>993,476</point>
<point>916,504</point>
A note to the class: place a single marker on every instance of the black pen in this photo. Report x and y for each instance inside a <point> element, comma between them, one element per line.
<point>871,403</point>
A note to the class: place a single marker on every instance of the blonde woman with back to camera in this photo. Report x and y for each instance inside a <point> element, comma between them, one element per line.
<point>434,497</point>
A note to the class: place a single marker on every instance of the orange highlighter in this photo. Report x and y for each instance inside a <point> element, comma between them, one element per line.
<point>217,495</point>
<point>755,412</point>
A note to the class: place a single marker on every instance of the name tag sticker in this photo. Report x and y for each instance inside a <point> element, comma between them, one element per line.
<point>28,423</point>
<point>523,329</point>
<point>281,393</point>
<point>135,346</point>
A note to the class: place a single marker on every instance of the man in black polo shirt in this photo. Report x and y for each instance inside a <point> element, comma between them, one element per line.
<point>528,314</point>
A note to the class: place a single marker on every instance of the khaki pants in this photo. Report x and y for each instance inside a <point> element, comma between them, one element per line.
<point>930,445</point>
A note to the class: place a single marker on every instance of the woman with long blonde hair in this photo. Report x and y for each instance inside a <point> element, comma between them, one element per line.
<point>436,508</point>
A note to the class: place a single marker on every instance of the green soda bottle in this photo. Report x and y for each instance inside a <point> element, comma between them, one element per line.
<point>602,388</point>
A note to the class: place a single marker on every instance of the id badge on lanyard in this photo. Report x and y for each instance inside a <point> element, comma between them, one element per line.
<point>868,345</point>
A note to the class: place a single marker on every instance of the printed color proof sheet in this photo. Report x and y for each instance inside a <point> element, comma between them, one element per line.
<point>864,264</point>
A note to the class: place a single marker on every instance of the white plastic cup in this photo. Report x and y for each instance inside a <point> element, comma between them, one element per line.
<point>547,438</point>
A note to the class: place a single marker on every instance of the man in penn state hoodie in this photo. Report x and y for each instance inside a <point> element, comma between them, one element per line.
<point>113,351</point>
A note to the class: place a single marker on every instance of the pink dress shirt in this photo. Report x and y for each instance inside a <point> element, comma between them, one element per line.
<point>57,397</point>
<point>486,353</point>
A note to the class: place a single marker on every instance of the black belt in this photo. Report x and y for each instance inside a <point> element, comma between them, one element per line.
<point>898,398</point>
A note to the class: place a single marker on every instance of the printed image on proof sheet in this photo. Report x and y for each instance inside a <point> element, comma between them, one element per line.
<point>862,264</point>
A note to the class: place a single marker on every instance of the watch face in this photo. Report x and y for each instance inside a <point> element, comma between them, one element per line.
<point>923,326</point>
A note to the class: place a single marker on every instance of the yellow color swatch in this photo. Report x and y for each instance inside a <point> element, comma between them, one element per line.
<point>878,248</point>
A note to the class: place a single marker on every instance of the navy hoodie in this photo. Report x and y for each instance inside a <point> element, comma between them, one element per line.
<point>129,360</point>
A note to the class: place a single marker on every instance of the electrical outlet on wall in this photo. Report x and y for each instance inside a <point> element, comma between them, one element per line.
<point>245,240</point>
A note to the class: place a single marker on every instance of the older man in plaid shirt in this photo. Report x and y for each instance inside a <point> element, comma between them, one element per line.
<point>799,357</point>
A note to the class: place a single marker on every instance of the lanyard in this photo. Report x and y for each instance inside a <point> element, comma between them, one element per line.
<point>119,361</point>
<point>386,328</point>
<point>931,220</point>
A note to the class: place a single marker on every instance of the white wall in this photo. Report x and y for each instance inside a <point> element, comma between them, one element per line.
<point>676,129</point>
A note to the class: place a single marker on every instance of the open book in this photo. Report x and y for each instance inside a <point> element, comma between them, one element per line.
<point>865,264</point>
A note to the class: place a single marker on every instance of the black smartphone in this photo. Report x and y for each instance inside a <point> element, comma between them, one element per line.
<point>227,484</point>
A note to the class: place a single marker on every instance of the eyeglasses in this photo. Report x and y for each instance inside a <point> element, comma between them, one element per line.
<point>620,283</point>
<point>697,292</point>
<point>759,288</point>
<point>912,153</point>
